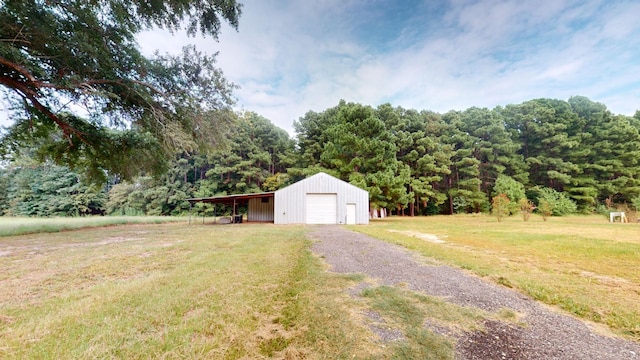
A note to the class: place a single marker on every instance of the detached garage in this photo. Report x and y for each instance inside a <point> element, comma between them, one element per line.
<point>321,199</point>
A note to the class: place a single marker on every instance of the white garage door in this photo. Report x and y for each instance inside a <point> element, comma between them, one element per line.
<point>321,209</point>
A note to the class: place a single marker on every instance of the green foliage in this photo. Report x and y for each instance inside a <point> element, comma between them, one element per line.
<point>510,187</point>
<point>513,189</point>
<point>49,190</point>
<point>356,146</point>
<point>635,202</point>
<point>546,209</point>
<point>275,182</point>
<point>257,150</point>
<point>166,195</point>
<point>556,202</point>
<point>256,159</point>
<point>463,178</point>
<point>124,152</point>
<point>410,162</point>
<point>56,57</point>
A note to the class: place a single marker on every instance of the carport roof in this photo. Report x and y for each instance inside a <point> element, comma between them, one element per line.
<point>230,199</point>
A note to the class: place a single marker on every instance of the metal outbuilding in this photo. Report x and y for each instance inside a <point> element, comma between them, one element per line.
<point>321,199</point>
<point>318,199</point>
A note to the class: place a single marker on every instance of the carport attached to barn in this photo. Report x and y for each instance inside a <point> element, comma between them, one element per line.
<point>259,205</point>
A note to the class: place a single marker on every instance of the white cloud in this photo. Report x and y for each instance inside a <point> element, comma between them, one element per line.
<point>290,57</point>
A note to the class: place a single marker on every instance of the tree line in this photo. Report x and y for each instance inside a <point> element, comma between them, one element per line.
<point>575,153</point>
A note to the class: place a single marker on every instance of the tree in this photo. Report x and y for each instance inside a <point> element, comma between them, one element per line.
<point>81,58</point>
<point>360,150</point>
<point>557,203</point>
<point>512,189</point>
<point>463,181</point>
<point>500,206</point>
<point>49,190</point>
<point>545,208</point>
<point>275,182</point>
<point>492,145</point>
<point>419,146</point>
<point>541,127</point>
<point>257,151</point>
<point>526,208</point>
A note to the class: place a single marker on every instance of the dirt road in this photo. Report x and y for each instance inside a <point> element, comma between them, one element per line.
<point>546,333</point>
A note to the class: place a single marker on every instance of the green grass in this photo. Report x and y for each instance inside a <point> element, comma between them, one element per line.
<point>175,291</point>
<point>255,290</point>
<point>10,226</point>
<point>409,311</point>
<point>582,264</point>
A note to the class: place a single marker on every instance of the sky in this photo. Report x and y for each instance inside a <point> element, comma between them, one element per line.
<point>289,56</point>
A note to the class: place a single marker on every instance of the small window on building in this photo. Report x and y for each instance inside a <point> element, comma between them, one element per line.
<point>265,200</point>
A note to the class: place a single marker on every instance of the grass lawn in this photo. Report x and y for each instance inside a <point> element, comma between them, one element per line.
<point>174,291</point>
<point>582,264</point>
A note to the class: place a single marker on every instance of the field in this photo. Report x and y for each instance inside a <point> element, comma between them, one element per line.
<point>582,264</point>
<point>176,290</point>
<point>172,291</point>
<point>25,225</point>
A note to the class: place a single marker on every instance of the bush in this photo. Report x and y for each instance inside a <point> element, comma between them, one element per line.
<point>557,203</point>
<point>512,189</point>
<point>500,206</point>
<point>545,208</point>
<point>635,202</point>
<point>526,208</point>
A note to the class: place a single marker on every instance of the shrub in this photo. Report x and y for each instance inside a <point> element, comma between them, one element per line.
<point>526,208</point>
<point>512,189</point>
<point>559,203</point>
<point>545,208</point>
<point>500,206</point>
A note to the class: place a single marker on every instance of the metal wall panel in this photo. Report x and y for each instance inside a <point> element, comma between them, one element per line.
<point>259,210</point>
<point>290,205</point>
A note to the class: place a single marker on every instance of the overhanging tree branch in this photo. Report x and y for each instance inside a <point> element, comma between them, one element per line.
<point>85,53</point>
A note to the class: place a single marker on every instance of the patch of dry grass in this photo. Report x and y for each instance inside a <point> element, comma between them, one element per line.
<point>583,264</point>
<point>174,291</point>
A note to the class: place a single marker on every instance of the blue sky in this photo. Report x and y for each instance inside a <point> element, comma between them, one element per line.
<point>289,56</point>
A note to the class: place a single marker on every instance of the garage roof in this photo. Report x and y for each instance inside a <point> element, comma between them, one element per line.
<point>230,199</point>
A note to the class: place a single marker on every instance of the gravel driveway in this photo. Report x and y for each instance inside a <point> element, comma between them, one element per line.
<point>546,335</point>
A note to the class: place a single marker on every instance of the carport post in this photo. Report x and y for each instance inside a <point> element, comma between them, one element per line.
<point>190,207</point>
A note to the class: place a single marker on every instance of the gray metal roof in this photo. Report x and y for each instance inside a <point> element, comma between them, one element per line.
<point>230,199</point>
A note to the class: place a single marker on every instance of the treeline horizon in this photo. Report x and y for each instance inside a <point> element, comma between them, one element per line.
<point>412,162</point>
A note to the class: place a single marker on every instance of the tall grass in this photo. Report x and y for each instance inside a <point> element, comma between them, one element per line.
<point>582,264</point>
<point>10,226</point>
